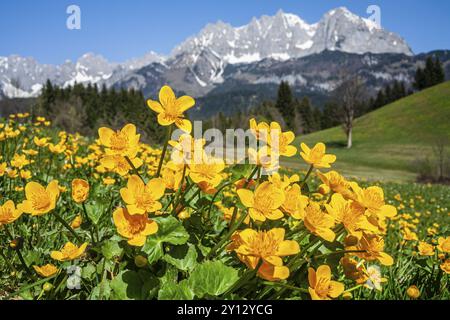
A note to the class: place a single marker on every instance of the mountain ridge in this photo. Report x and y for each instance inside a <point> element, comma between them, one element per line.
<point>201,59</point>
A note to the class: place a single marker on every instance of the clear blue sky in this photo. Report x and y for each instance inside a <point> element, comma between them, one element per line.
<point>120,29</point>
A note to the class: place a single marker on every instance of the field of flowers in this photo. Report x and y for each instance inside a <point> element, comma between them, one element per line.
<point>113,218</point>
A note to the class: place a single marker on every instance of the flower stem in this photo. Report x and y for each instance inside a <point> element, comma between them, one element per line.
<point>307,176</point>
<point>133,167</point>
<point>227,236</point>
<point>163,154</point>
<point>67,226</point>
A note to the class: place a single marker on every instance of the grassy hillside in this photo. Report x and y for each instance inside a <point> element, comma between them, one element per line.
<point>386,142</point>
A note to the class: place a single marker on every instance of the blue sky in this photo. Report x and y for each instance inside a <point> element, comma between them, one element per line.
<point>120,29</point>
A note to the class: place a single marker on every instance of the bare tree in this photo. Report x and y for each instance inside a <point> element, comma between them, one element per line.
<point>350,97</point>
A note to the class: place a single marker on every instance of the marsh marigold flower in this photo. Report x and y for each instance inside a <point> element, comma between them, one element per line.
<point>40,200</point>
<point>9,213</point>
<point>444,244</point>
<point>69,252</point>
<point>264,203</point>
<point>350,215</point>
<point>142,198</point>
<point>76,222</point>
<point>280,142</point>
<point>171,109</point>
<point>46,271</point>
<point>123,142</point>
<point>251,246</point>
<point>209,170</point>
<point>295,203</point>
<point>319,222</point>
<point>425,249</point>
<point>372,246</point>
<point>321,287</point>
<point>413,292</point>
<point>135,228</point>
<point>445,266</point>
<point>80,190</point>
<point>316,156</point>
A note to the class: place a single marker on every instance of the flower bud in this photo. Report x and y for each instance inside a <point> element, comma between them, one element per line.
<point>413,292</point>
<point>140,261</point>
<point>47,287</point>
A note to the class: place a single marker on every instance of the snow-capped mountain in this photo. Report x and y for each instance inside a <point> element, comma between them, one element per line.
<point>24,77</point>
<point>197,65</point>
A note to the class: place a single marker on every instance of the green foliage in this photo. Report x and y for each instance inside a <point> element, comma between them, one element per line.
<point>170,230</point>
<point>212,278</point>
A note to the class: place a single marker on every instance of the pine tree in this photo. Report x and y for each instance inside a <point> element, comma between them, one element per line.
<point>285,104</point>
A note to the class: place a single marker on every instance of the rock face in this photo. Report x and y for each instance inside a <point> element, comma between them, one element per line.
<point>198,64</point>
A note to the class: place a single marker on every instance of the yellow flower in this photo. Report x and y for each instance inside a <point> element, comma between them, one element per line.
<point>69,252</point>
<point>372,199</point>
<point>170,109</point>
<point>373,247</point>
<point>56,148</point>
<point>9,213</point>
<point>264,203</point>
<point>321,287</point>
<point>172,175</point>
<point>413,292</point>
<point>124,142</point>
<point>46,271</point>
<point>251,246</point>
<point>135,228</point>
<point>80,190</point>
<point>295,203</point>
<point>3,167</point>
<point>316,156</point>
<point>350,214</point>
<point>228,214</point>
<point>445,266</point>
<point>354,270</point>
<point>319,222</point>
<point>187,149</point>
<point>109,181</point>
<point>425,249</point>
<point>40,200</point>
<point>280,141</point>
<point>25,174</point>
<point>142,198</point>
<point>76,222</point>
<point>43,142</point>
<point>19,161</point>
<point>335,182</point>
<point>259,130</point>
<point>444,244</point>
<point>119,164</point>
<point>209,170</point>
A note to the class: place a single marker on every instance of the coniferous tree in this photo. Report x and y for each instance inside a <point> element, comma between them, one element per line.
<point>285,104</point>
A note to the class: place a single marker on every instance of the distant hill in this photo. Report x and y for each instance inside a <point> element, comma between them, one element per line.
<point>389,140</point>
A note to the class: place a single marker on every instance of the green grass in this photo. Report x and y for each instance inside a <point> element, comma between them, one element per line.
<point>386,142</point>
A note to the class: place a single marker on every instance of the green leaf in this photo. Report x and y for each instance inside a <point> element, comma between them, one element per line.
<point>150,285</point>
<point>183,257</point>
<point>88,272</point>
<point>170,230</point>
<point>111,249</point>
<point>176,291</point>
<point>102,291</point>
<point>212,278</point>
<point>127,285</point>
<point>94,211</point>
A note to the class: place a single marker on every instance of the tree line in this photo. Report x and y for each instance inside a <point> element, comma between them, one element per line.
<point>84,109</point>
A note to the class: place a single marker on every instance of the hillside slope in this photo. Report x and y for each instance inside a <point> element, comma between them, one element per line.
<point>388,141</point>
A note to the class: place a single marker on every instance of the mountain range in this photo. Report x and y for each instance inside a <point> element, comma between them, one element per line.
<point>222,59</point>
